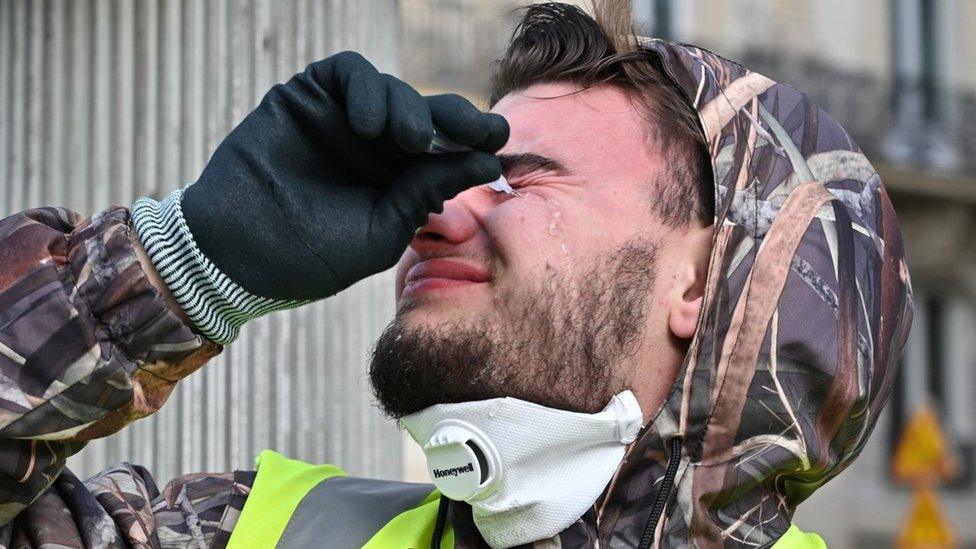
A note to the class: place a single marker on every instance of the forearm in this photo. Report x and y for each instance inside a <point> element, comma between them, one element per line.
<point>88,343</point>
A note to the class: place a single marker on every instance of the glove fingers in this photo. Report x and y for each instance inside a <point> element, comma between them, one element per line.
<point>497,134</point>
<point>394,155</point>
<point>340,143</point>
<point>409,121</point>
<point>310,105</point>
<point>357,158</point>
<point>424,187</point>
<point>364,93</point>
<point>458,119</point>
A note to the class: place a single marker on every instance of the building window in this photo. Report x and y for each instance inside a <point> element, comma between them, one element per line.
<point>915,50</point>
<point>936,369</point>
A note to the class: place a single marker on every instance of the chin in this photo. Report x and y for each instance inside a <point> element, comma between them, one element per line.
<point>441,316</point>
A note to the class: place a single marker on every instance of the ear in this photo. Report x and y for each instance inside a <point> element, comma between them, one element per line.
<point>689,292</point>
<point>683,317</point>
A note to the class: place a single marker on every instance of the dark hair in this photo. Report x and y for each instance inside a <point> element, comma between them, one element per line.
<point>555,42</point>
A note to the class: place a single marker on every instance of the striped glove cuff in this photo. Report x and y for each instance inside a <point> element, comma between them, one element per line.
<point>215,303</point>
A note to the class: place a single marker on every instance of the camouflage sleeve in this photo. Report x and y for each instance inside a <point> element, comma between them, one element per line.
<point>87,345</point>
<point>121,507</point>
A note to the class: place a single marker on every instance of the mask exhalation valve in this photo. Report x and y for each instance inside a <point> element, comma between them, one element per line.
<point>461,461</point>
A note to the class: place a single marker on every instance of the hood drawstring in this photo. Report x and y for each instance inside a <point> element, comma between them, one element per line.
<point>435,541</point>
<point>647,537</point>
<point>663,494</point>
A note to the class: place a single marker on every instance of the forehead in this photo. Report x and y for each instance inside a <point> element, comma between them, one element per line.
<point>590,130</point>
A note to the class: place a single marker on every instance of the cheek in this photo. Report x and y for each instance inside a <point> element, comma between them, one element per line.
<point>534,235</point>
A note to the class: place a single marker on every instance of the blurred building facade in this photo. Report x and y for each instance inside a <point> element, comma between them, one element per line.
<point>105,101</point>
<point>899,75</point>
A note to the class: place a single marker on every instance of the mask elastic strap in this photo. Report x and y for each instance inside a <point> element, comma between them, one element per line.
<point>435,541</point>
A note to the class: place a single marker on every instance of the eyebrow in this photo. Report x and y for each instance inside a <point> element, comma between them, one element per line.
<point>530,162</point>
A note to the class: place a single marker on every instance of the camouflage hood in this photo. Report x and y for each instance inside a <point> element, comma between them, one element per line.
<point>807,307</point>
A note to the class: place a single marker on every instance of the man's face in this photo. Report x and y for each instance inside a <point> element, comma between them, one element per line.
<point>549,295</point>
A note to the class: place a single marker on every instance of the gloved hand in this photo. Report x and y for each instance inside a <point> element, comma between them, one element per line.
<point>322,185</point>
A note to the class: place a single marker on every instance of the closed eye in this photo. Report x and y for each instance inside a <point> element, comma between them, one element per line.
<point>519,182</point>
<point>516,185</point>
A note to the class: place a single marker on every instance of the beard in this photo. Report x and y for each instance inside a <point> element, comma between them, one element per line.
<point>560,344</point>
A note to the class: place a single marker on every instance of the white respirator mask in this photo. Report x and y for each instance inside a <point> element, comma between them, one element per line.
<point>527,471</point>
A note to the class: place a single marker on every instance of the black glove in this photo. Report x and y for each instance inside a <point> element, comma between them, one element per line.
<point>326,182</point>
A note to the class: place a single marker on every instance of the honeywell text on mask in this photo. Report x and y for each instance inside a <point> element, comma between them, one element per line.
<point>453,471</point>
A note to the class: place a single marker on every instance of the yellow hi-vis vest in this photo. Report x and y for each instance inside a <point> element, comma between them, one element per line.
<point>294,504</point>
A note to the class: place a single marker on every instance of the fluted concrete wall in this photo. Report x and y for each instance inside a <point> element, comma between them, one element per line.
<point>105,101</point>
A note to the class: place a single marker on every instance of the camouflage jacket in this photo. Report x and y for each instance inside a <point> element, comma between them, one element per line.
<point>88,345</point>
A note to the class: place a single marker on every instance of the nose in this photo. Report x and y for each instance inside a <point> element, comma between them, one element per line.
<point>456,224</point>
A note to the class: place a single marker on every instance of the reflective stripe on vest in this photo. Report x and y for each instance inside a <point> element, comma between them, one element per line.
<point>295,504</point>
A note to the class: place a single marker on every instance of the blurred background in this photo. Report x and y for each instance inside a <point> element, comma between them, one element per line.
<point>104,101</point>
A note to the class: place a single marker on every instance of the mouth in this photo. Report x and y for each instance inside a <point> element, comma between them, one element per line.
<point>442,274</point>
